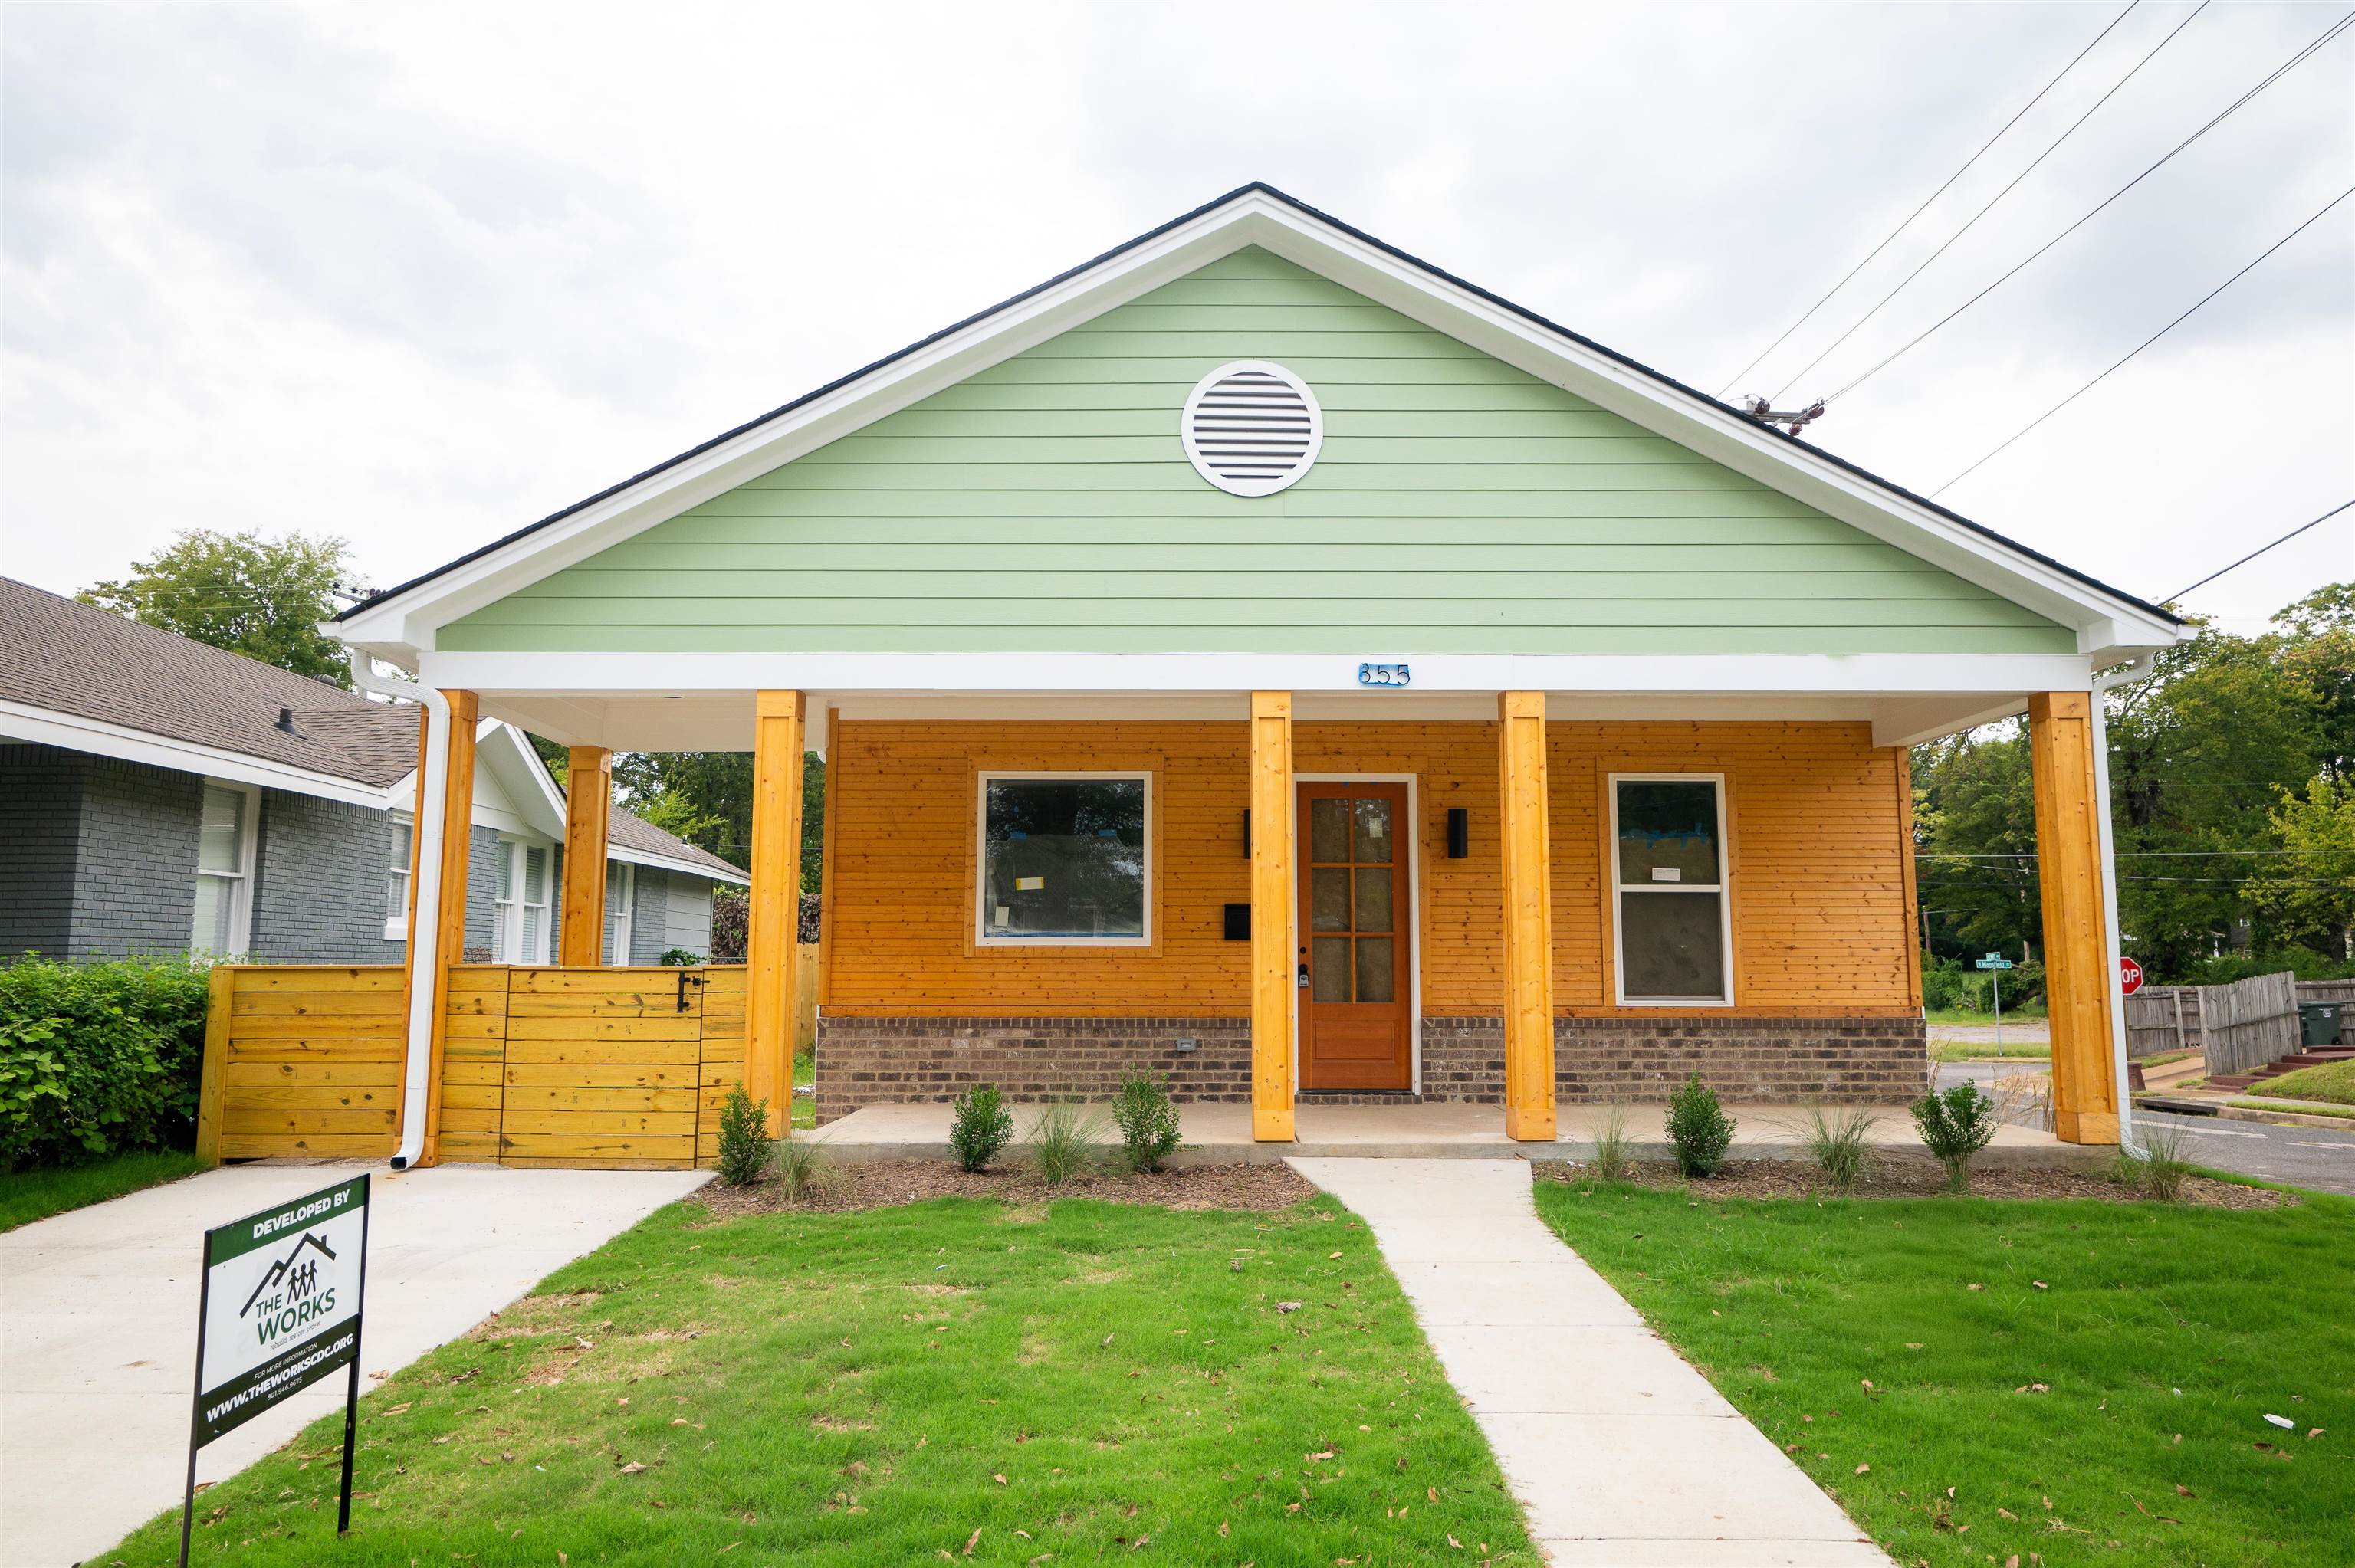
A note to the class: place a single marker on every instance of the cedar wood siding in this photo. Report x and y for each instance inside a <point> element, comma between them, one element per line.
<point>1459,505</point>
<point>1819,854</point>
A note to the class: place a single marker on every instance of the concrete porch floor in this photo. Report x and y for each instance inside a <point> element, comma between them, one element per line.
<point>1220,1134</point>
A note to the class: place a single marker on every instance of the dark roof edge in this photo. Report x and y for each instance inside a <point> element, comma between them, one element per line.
<point>1355,233</point>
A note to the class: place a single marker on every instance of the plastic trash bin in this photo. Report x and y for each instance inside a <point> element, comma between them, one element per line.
<point>2317,1022</point>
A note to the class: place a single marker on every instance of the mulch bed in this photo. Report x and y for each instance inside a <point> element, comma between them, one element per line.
<point>885,1182</point>
<point>1918,1176</point>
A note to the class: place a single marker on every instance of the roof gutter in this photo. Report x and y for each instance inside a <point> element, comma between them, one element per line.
<point>425,923</point>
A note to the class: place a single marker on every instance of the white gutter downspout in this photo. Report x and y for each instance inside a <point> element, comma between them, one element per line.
<point>2103,686</point>
<point>425,923</point>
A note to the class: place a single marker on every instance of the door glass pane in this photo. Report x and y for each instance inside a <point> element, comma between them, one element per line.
<point>1672,945</point>
<point>220,841</point>
<point>1328,832</point>
<point>1064,857</point>
<point>1374,898</point>
<point>1374,979</point>
<point>1329,898</point>
<point>1329,969</point>
<point>215,903</point>
<point>1668,832</point>
<point>1373,832</point>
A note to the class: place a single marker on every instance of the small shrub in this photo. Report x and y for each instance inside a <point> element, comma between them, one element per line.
<point>980,1127</point>
<point>1147,1121</point>
<point>1062,1142</point>
<point>1837,1142</point>
<point>1956,1125</point>
<point>679,959</point>
<point>745,1146</point>
<point>1698,1127</point>
<point>99,1059</point>
<point>804,1169</point>
<point>1612,1159</point>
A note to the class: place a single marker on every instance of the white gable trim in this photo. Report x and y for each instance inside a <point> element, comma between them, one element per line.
<point>402,625</point>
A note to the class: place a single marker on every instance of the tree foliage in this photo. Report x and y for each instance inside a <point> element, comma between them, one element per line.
<point>261,597</point>
<point>706,798</point>
<point>2231,767</point>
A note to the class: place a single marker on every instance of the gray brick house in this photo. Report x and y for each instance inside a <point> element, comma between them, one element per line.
<point>158,796</point>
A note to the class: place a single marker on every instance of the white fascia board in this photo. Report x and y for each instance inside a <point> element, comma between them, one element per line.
<point>1871,674</point>
<point>1911,724</point>
<point>1713,430</point>
<point>531,794</point>
<point>402,627</point>
<point>72,732</point>
<point>665,863</point>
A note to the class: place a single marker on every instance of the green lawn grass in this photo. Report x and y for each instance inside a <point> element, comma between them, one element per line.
<point>1076,1382</point>
<point>1852,1330</point>
<point>2332,1081</point>
<point>805,1111</point>
<point>1986,1051</point>
<point>2300,1107</point>
<point>29,1195</point>
<point>2032,1014</point>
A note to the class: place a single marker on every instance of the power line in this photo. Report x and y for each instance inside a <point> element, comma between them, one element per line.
<point>2146,342</point>
<point>2222,115</point>
<point>2177,597</point>
<point>2049,150</point>
<point>1933,197</point>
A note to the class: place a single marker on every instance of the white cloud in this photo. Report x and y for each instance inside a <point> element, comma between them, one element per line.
<point>421,275</point>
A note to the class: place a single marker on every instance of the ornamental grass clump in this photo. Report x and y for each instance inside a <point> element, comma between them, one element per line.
<point>1956,1125</point>
<point>1062,1142</point>
<point>804,1169</point>
<point>1147,1121</point>
<point>980,1127</point>
<point>2164,1165</point>
<point>745,1146</point>
<point>1698,1127</point>
<point>1836,1143</point>
<point>1612,1159</point>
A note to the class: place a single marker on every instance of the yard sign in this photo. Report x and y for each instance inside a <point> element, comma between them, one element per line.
<point>280,1310</point>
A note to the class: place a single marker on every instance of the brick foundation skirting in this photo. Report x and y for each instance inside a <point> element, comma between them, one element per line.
<point>1841,1060</point>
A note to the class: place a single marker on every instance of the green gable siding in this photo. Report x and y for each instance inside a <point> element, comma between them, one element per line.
<point>1459,505</point>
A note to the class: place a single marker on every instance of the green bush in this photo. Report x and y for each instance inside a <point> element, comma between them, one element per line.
<point>745,1146</point>
<point>99,1059</point>
<point>1956,1125</point>
<point>1942,984</point>
<point>980,1127</point>
<point>2304,962</point>
<point>679,959</point>
<point>1147,1121</point>
<point>1699,1127</point>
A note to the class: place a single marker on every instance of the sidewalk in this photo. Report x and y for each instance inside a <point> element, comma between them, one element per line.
<point>1623,1455</point>
<point>98,1322</point>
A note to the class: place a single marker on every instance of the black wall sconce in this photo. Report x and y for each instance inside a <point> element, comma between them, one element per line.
<point>1459,833</point>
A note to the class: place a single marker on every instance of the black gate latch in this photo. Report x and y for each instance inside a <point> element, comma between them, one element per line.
<point>686,980</point>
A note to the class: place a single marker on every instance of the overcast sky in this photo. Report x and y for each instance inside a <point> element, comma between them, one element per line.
<point>417,276</point>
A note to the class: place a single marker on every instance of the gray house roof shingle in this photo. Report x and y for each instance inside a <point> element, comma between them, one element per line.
<point>66,657</point>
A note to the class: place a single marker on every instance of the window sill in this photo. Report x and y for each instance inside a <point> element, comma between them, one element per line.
<point>396,930</point>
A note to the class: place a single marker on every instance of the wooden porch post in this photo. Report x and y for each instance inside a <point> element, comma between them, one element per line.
<point>776,901</point>
<point>1529,917</point>
<point>588,804</point>
<point>2077,981</point>
<point>457,836</point>
<point>1274,956</point>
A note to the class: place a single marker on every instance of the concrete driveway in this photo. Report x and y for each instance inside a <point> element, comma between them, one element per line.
<point>98,1322</point>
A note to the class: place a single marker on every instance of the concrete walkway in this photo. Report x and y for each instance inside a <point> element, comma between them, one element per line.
<point>98,1322</point>
<point>1622,1455</point>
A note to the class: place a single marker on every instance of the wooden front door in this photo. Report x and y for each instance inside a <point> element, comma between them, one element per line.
<point>1355,916</point>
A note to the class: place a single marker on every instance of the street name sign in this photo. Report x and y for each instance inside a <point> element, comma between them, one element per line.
<point>1994,961</point>
<point>280,1310</point>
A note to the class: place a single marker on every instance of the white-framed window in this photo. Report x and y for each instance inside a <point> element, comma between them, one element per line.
<point>519,904</point>
<point>1064,860</point>
<point>621,894</point>
<point>396,880</point>
<point>1671,929</point>
<point>226,832</point>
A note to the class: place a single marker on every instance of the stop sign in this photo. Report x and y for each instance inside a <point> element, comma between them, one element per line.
<point>2130,974</point>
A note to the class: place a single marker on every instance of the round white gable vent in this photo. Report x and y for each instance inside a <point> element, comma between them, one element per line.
<point>1252,427</point>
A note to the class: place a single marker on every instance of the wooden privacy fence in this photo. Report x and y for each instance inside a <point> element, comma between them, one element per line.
<point>612,1068</point>
<point>2262,1017</point>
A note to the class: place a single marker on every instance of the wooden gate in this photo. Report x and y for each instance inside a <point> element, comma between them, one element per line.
<point>587,1068</point>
